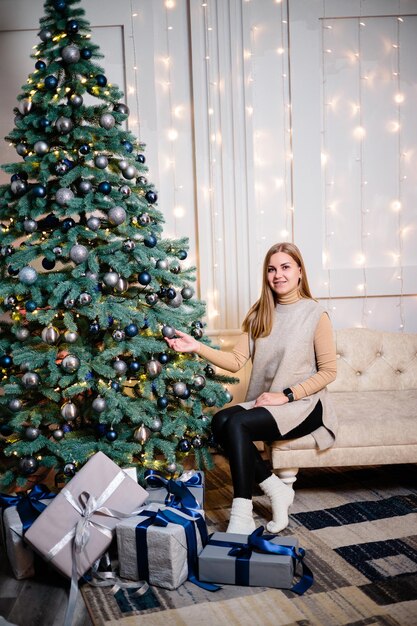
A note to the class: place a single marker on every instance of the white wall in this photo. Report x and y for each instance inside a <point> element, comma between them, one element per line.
<point>254,136</point>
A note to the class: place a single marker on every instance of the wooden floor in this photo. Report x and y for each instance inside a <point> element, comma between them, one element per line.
<point>39,601</point>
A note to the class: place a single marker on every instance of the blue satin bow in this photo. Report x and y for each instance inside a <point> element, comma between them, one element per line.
<point>27,504</point>
<point>261,543</point>
<point>163,518</point>
<point>178,495</point>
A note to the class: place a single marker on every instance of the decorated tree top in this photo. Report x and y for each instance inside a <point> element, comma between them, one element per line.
<point>89,286</point>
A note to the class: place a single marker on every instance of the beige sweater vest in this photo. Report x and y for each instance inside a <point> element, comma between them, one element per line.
<point>285,358</point>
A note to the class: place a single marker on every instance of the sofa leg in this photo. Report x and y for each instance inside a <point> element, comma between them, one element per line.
<point>288,476</point>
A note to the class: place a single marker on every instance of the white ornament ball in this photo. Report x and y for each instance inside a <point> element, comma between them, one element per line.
<point>28,276</point>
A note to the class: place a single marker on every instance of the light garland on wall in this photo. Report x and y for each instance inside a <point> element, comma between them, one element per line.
<point>213,139</point>
<point>360,134</point>
<point>134,122</point>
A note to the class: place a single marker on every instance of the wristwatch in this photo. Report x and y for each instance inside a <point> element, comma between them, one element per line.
<point>289,394</point>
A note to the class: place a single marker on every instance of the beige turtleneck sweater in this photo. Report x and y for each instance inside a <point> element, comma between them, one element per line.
<point>323,346</point>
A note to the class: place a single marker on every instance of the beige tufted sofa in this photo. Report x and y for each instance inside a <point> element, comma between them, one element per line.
<point>375,397</point>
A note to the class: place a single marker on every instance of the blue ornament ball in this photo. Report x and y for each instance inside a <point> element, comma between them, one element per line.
<point>101,429</point>
<point>104,187</point>
<point>151,197</point>
<point>5,430</point>
<point>128,146</point>
<point>44,122</point>
<point>134,366</point>
<point>12,271</point>
<point>72,27</point>
<point>40,65</point>
<point>31,306</point>
<point>84,149</point>
<point>171,293</point>
<point>111,435</point>
<point>131,330</point>
<point>60,5</point>
<point>144,278</point>
<point>101,80</point>
<point>162,402</point>
<point>86,53</point>
<point>150,241</point>
<point>66,428</point>
<point>140,158</point>
<point>67,224</point>
<point>6,361</point>
<point>39,191</point>
<point>182,254</point>
<point>184,445</point>
<point>163,358</point>
<point>115,385</point>
<point>51,82</point>
<point>94,328</point>
<point>47,264</point>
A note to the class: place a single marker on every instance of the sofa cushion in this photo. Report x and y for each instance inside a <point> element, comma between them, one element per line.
<point>373,360</point>
<point>368,418</point>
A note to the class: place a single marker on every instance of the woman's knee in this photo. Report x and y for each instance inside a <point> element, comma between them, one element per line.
<point>219,421</point>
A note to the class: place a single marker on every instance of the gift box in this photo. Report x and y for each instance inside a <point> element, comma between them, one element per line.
<point>256,560</point>
<point>79,524</point>
<point>187,491</point>
<point>160,545</point>
<point>21,557</point>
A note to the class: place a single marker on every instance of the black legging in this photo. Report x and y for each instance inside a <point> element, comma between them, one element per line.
<point>236,428</point>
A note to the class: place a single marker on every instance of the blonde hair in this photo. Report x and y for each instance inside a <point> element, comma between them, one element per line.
<point>258,320</point>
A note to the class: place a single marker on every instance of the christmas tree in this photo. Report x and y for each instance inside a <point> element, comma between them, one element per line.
<point>89,286</point>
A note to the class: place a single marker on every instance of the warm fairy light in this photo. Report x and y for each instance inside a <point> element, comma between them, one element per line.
<point>359,132</point>
<point>393,127</point>
<point>179,212</point>
<point>396,205</point>
<point>399,98</point>
<point>172,134</point>
<point>170,4</point>
<point>361,259</point>
<point>280,50</point>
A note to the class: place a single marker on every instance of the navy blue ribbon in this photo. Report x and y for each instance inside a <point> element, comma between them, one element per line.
<point>163,518</point>
<point>178,495</point>
<point>261,543</point>
<point>27,504</point>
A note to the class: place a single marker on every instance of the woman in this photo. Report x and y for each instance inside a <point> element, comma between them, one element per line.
<point>289,338</point>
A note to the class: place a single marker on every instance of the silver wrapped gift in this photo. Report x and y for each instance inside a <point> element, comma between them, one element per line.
<point>165,551</point>
<point>20,555</point>
<point>216,565</point>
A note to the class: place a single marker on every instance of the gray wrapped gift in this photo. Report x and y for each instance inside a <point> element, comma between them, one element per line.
<point>164,558</point>
<point>21,556</point>
<point>259,570</point>
<point>172,492</point>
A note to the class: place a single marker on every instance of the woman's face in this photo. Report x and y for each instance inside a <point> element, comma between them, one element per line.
<point>283,273</point>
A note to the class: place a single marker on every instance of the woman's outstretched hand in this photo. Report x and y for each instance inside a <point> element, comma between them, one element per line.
<point>182,342</point>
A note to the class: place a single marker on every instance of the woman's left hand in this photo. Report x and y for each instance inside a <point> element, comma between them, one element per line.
<point>271,399</point>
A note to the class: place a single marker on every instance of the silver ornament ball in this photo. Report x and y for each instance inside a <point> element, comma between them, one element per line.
<point>110,279</point>
<point>123,164</point>
<point>101,161</point>
<point>161,264</point>
<point>50,335</point>
<point>144,219</point>
<point>19,187</point>
<point>63,196</point>
<point>70,363</point>
<point>76,100</point>
<point>142,434</point>
<point>70,336</point>
<point>24,106</point>
<point>15,404</point>
<point>22,333</point>
<point>84,299</point>
<point>187,293</point>
<point>21,149</point>
<point>199,382</point>
<point>130,172</point>
<point>45,34</point>
<point>99,404</point>
<point>125,190</point>
<point>107,121</point>
<point>117,215</point>
<point>64,125</point>
<point>175,302</point>
<point>122,285</point>
<point>30,380</point>
<point>120,107</point>
<point>156,424</point>
<point>179,389</point>
<point>129,245</point>
<point>172,468</point>
<point>69,303</point>
<point>69,411</point>
<point>151,298</point>
<point>31,433</point>
<point>84,187</point>
<point>28,276</point>
<point>78,253</point>
<point>168,332</point>
<point>41,148</point>
<point>93,223</point>
<point>119,366</point>
<point>58,434</point>
<point>70,54</point>
<point>30,226</point>
<point>119,335</point>
<point>153,368</point>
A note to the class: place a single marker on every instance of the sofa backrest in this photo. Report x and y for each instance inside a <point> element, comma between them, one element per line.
<point>371,360</point>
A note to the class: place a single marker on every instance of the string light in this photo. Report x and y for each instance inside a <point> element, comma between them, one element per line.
<point>397,205</point>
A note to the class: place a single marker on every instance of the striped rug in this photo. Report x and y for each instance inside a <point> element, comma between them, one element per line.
<point>359,529</point>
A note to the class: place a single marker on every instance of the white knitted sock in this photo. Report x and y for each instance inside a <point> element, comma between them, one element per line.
<point>282,497</point>
<point>241,518</point>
